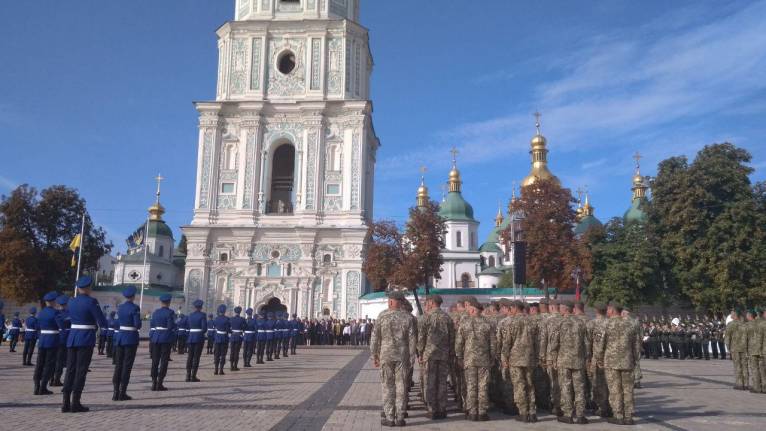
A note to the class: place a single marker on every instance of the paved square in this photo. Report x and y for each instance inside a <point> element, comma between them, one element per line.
<point>338,389</point>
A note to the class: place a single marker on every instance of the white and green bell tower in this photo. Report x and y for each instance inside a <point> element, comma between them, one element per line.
<point>286,159</point>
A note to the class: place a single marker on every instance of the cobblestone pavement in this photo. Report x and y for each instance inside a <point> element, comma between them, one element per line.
<point>338,389</point>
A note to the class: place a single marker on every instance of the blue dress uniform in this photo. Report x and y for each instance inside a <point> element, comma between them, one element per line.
<point>260,337</point>
<point>110,334</point>
<point>295,331</point>
<point>249,340</point>
<point>222,331</point>
<point>2,324</point>
<point>58,371</point>
<point>30,337</point>
<point>14,331</point>
<point>86,317</point>
<point>126,343</point>
<point>183,333</point>
<point>210,334</point>
<point>163,326</point>
<point>237,331</point>
<point>197,326</point>
<point>49,323</point>
<point>279,334</point>
<point>269,329</point>
<point>287,334</point>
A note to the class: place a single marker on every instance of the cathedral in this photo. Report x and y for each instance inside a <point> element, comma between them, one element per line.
<point>286,162</point>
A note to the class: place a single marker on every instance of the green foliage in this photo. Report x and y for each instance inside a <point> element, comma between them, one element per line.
<point>35,233</point>
<point>506,280</point>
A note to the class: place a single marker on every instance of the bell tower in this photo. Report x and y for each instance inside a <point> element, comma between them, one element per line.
<point>286,157</point>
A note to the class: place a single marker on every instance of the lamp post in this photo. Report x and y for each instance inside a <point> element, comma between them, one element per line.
<point>576,273</point>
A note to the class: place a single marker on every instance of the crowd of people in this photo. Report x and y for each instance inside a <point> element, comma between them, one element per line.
<point>524,357</point>
<point>67,330</point>
<point>337,332</point>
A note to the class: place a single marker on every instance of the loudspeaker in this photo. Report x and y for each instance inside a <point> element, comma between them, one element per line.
<point>520,263</point>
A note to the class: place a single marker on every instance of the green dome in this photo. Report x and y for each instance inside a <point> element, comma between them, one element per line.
<point>636,213</point>
<point>455,207</point>
<point>490,247</point>
<point>158,228</point>
<point>585,224</point>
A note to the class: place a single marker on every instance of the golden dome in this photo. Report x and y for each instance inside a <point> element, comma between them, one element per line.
<point>587,209</point>
<point>422,197</point>
<point>499,217</point>
<point>454,175</point>
<point>156,211</point>
<point>539,153</point>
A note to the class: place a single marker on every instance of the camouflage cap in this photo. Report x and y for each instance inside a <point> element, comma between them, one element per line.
<point>544,301</point>
<point>567,304</point>
<point>518,304</point>
<point>473,302</point>
<point>600,307</point>
<point>505,302</point>
<point>396,295</point>
<point>436,298</point>
<point>534,304</point>
<point>553,302</point>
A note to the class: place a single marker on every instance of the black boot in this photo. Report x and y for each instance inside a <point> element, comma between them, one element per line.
<point>76,406</point>
<point>194,376</point>
<point>188,376</point>
<point>37,388</point>
<point>124,395</point>
<point>116,394</point>
<point>44,390</point>
<point>66,407</point>
<point>154,384</point>
<point>160,387</point>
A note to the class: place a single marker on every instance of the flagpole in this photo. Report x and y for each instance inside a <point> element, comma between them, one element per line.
<point>143,276</point>
<point>79,252</point>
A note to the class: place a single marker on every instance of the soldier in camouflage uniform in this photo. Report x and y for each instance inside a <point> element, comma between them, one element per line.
<point>762,329</point>
<point>617,353</point>
<point>579,312</point>
<point>754,350</point>
<point>637,374</point>
<point>456,375</point>
<point>736,343</point>
<point>519,355</point>
<point>568,348</point>
<point>507,312</point>
<point>407,307</point>
<point>597,375</point>
<point>550,364</point>
<point>436,340</point>
<point>392,345</point>
<point>492,315</point>
<point>539,315</point>
<point>477,356</point>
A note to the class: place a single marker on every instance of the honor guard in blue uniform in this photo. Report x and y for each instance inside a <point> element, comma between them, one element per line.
<point>269,328</point>
<point>222,331</point>
<point>110,334</point>
<point>287,332</point>
<point>61,301</point>
<point>2,324</point>
<point>249,339</point>
<point>30,337</point>
<point>126,344</point>
<point>163,324</point>
<point>197,328</point>
<point>260,337</point>
<point>237,331</point>
<point>14,331</point>
<point>86,317</point>
<point>49,323</point>
<point>111,345</point>
<point>103,333</point>
<point>210,334</point>
<point>183,333</point>
<point>296,327</point>
<point>279,334</point>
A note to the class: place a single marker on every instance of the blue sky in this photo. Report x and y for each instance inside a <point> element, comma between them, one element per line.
<point>97,95</point>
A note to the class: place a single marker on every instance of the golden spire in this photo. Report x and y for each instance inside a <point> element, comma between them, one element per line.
<point>513,198</point>
<point>499,216</point>
<point>579,210</point>
<point>423,190</point>
<point>587,209</point>
<point>539,153</point>
<point>454,175</point>
<point>639,185</point>
<point>156,210</point>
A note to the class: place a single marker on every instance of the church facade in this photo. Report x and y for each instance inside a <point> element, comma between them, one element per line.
<point>286,160</point>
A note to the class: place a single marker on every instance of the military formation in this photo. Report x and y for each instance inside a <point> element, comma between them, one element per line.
<point>68,330</point>
<point>518,357</point>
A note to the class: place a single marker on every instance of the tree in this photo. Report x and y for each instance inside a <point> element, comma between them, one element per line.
<point>384,253</point>
<point>625,265</point>
<point>182,246</point>
<point>711,231</point>
<point>548,229</point>
<point>35,233</point>
<point>506,280</point>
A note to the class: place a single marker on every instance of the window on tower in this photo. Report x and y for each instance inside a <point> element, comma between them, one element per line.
<point>459,239</point>
<point>227,188</point>
<point>286,62</point>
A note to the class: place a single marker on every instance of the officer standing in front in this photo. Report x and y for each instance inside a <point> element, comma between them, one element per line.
<point>250,334</point>
<point>58,370</point>
<point>30,337</point>
<point>210,334</point>
<point>163,324</point>
<point>237,330</point>
<point>260,337</point>
<point>50,322</point>
<point>222,330</point>
<point>269,328</point>
<point>197,324</point>
<point>126,343</point>
<point>86,317</point>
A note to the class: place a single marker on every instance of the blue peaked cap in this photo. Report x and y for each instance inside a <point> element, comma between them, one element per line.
<point>198,303</point>
<point>84,282</point>
<point>129,292</point>
<point>62,300</point>
<point>50,296</point>
<point>165,297</point>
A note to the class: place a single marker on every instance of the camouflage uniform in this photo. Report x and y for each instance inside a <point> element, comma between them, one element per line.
<point>569,347</point>
<point>551,324</point>
<point>477,357</point>
<point>392,344</point>
<point>754,352</point>
<point>542,383</point>
<point>506,382</point>
<point>458,377</point>
<point>736,342</point>
<point>617,351</point>
<point>637,374</point>
<point>519,353</point>
<point>596,373</point>
<point>436,340</point>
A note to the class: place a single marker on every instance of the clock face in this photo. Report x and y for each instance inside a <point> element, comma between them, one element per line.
<point>134,275</point>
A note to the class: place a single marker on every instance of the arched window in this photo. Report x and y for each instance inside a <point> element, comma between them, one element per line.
<point>289,269</point>
<point>162,251</point>
<point>258,268</point>
<point>459,239</point>
<point>230,157</point>
<point>333,158</point>
<point>465,280</point>
<point>282,177</point>
<point>224,257</point>
<point>491,261</point>
<point>483,262</point>
<point>327,259</point>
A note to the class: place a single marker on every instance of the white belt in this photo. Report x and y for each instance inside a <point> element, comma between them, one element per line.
<point>74,326</point>
<point>49,331</point>
<point>128,328</point>
<point>249,332</point>
<point>181,329</point>
<point>211,330</point>
<point>30,330</point>
<point>236,330</point>
<point>221,332</point>
<point>159,328</point>
<point>269,330</point>
<point>195,330</point>
<point>15,327</point>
